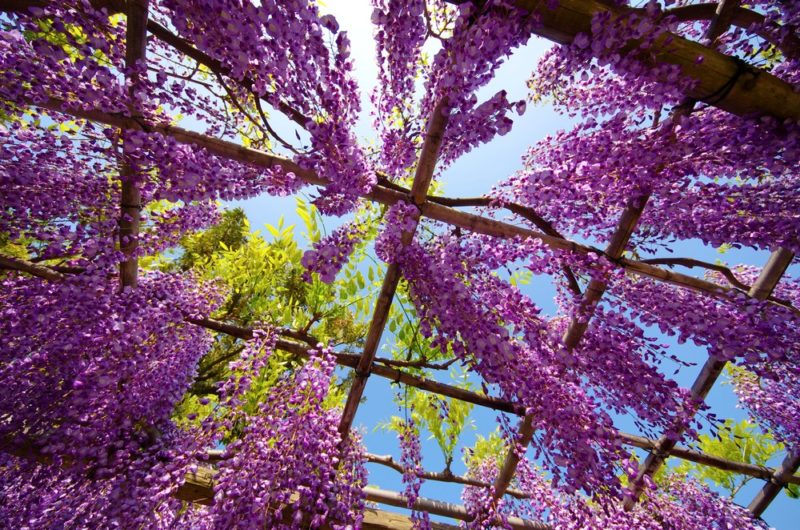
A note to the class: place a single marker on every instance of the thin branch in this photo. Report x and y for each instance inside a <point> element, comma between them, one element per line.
<point>442,476</point>
<point>691,262</point>
<point>423,363</point>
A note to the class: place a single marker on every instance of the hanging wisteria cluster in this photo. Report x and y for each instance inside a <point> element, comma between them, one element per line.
<point>91,371</point>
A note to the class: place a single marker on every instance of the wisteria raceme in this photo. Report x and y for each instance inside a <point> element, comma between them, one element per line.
<point>679,504</point>
<point>758,336</point>
<point>733,327</point>
<point>50,61</point>
<point>303,479</point>
<point>481,38</point>
<point>615,358</point>
<point>67,200</point>
<point>94,400</point>
<point>773,403</point>
<point>400,33</point>
<point>411,460</point>
<point>572,432</point>
<point>466,131</point>
<point>49,193</point>
<point>593,66</point>
<point>331,253</point>
<point>284,44</point>
<point>582,179</point>
<point>485,510</point>
<point>401,218</point>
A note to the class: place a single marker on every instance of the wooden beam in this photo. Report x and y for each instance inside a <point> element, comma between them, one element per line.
<point>777,481</point>
<point>34,269</point>
<point>420,382</point>
<point>577,327</point>
<point>419,192</point>
<point>130,195</point>
<point>755,92</point>
<point>198,488</point>
<point>779,261</point>
<point>446,476</point>
<point>444,509</point>
<point>789,43</point>
<point>382,195</point>
<point>692,455</point>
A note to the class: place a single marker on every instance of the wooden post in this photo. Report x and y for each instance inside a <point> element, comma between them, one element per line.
<point>130,207</point>
<point>575,331</point>
<point>419,190</point>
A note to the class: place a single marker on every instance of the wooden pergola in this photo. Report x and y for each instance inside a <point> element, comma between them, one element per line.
<point>755,92</point>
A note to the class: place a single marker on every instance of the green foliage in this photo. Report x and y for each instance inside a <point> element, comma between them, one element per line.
<point>229,234</point>
<point>740,442</point>
<point>264,279</point>
<point>492,448</point>
<point>444,418</point>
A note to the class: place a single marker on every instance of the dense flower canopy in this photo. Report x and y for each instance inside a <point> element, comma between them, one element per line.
<point>124,124</point>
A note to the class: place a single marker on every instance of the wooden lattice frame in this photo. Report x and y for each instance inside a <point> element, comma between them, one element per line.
<point>762,94</point>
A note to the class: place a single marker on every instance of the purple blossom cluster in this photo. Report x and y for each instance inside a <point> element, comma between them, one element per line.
<point>681,504</point>
<point>281,49</point>
<point>289,458</point>
<point>462,308</point>
<point>400,221</point>
<point>486,511</point>
<point>583,179</point>
<point>411,460</point>
<point>330,254</point>
<point>399,36</point>
<point>465,131</point>
<point>92,401</point>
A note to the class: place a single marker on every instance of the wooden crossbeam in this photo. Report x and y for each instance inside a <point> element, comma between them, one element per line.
<point>444,509</point>
<point>383,195</point>
<point>763,287</point>
<point>755,92</point>
<point>776,483</point>
<point>198,488</point>
<point>130,195</point>
<point>418,195</point>
<point>482,400</point>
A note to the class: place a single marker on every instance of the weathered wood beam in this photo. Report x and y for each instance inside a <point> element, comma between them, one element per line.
<point>444,509</point>
<point>446,476</point>
<point>438,212</point>
<point>698,457</point>
<point>418,195</point>
<point>482,400</point>
<point>198,488</point>
<point>789,44</point>
<point>34,269</point>
<point>130,195</point>
<point>777,482</point>
<point>756,92</point>
<point>709,374</point>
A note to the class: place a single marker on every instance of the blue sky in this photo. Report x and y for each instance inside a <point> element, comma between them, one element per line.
<point>472,175</point>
